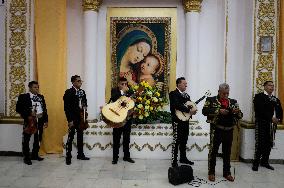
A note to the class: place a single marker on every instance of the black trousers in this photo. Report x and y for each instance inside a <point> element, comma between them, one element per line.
<point>180,134</point>
<point>37,139</point>
<point>71,134</point>
<point>218,136</point>
<point>125,130</point>
<point>263,142</point>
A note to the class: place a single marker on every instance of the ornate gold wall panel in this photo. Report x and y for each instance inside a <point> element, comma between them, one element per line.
<point>18,49</point>
<point>265,25</point>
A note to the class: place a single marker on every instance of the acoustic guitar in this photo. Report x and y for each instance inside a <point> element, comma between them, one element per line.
<point>115,114</point>
<point>183,116</point>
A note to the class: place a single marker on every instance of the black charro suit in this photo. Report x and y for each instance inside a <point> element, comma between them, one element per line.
<point>72,112</point>
<point>264,107</point>
<point>221,131</point>
<point>125,130</point>
<point>180,128</point>
<point>24,108</point>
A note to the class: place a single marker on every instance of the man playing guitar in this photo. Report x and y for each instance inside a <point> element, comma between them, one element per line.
<point>116,93</point>
<point>178,98</point>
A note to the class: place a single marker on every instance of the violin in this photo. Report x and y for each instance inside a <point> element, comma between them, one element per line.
<point>83,119</point>
<point>31,127</point>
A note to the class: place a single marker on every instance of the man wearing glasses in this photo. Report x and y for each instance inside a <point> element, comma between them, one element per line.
<point>74,100</point>
<point>116,93</point>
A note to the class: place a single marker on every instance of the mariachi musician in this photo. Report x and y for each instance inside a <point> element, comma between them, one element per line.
<point>32,108</point>
<point>268,113</point>
<point>74,101</point>
<point>223,114</point>
<point>116,93</point>
<point>178,98</point>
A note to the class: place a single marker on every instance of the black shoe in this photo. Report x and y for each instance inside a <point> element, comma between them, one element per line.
<point>114,162</point>
<point>254,168</point>
<point>84,158</point>
<point>268,166</point>
<point>186,161</point>
<point>38,158</point>
<point>28,161</point>
<point>129,160</point>
<point>68,161</point>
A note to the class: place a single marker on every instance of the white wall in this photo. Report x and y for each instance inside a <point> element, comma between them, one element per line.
<point>74,39</point>
<point>211,51</point>
<point>240,54</point>
<point>2,57</point>
<point>11,137</point>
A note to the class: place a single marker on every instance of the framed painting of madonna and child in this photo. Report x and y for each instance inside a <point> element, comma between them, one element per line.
<point>141,48</point>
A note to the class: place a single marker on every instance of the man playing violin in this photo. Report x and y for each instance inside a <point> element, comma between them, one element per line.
<point>178,98</point>
<point>223,114</point>
<point>74,100</point>
<point>32,106</point>
<point>116,93</point>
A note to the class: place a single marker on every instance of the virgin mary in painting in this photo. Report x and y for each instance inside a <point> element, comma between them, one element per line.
<point>132,48</point>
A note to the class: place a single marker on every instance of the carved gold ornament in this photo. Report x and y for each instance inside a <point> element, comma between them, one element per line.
<point>266,16</point>
<point>17,50</point>
<point>93,5</point>
<point>266,28</point>
<point>192,5</point>
<point>262,77</point>
<point>265,62</point>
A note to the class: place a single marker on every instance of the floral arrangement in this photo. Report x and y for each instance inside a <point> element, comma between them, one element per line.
<point>148,102</point>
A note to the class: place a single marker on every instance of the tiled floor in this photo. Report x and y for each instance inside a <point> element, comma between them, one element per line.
<point>99,172</point>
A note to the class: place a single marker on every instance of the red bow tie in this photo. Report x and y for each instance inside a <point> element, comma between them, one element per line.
<point>224,103</point>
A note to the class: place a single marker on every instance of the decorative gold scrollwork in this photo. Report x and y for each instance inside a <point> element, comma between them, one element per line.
<point>17,74</point>
<point>93,5</point>
<point>18,7</point>
<point>265,24</point>
<point>265,62</point>
<point>17,49</point>
<point>262,77</point>
<point>192,5</point>
<point>18,39</point>
<point>266,28</point>
<point>18,22</point>
<point>266,10</point>
<point>17,56</point>
<point>142,147</point>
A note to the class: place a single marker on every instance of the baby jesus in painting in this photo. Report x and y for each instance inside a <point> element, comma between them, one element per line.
<point>151,65</point>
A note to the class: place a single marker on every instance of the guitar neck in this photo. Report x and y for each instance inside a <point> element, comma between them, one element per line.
<point>199,100</point>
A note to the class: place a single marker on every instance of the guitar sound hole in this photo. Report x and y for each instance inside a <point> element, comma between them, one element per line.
<point>123,104</point>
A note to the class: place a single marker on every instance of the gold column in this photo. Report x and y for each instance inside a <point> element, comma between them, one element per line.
<point>192,5</point>
<point>281,54</point>
<point>93,5</point>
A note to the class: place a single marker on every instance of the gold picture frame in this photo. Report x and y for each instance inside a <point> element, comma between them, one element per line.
<point>265,44</point>
<point>120,20</point>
